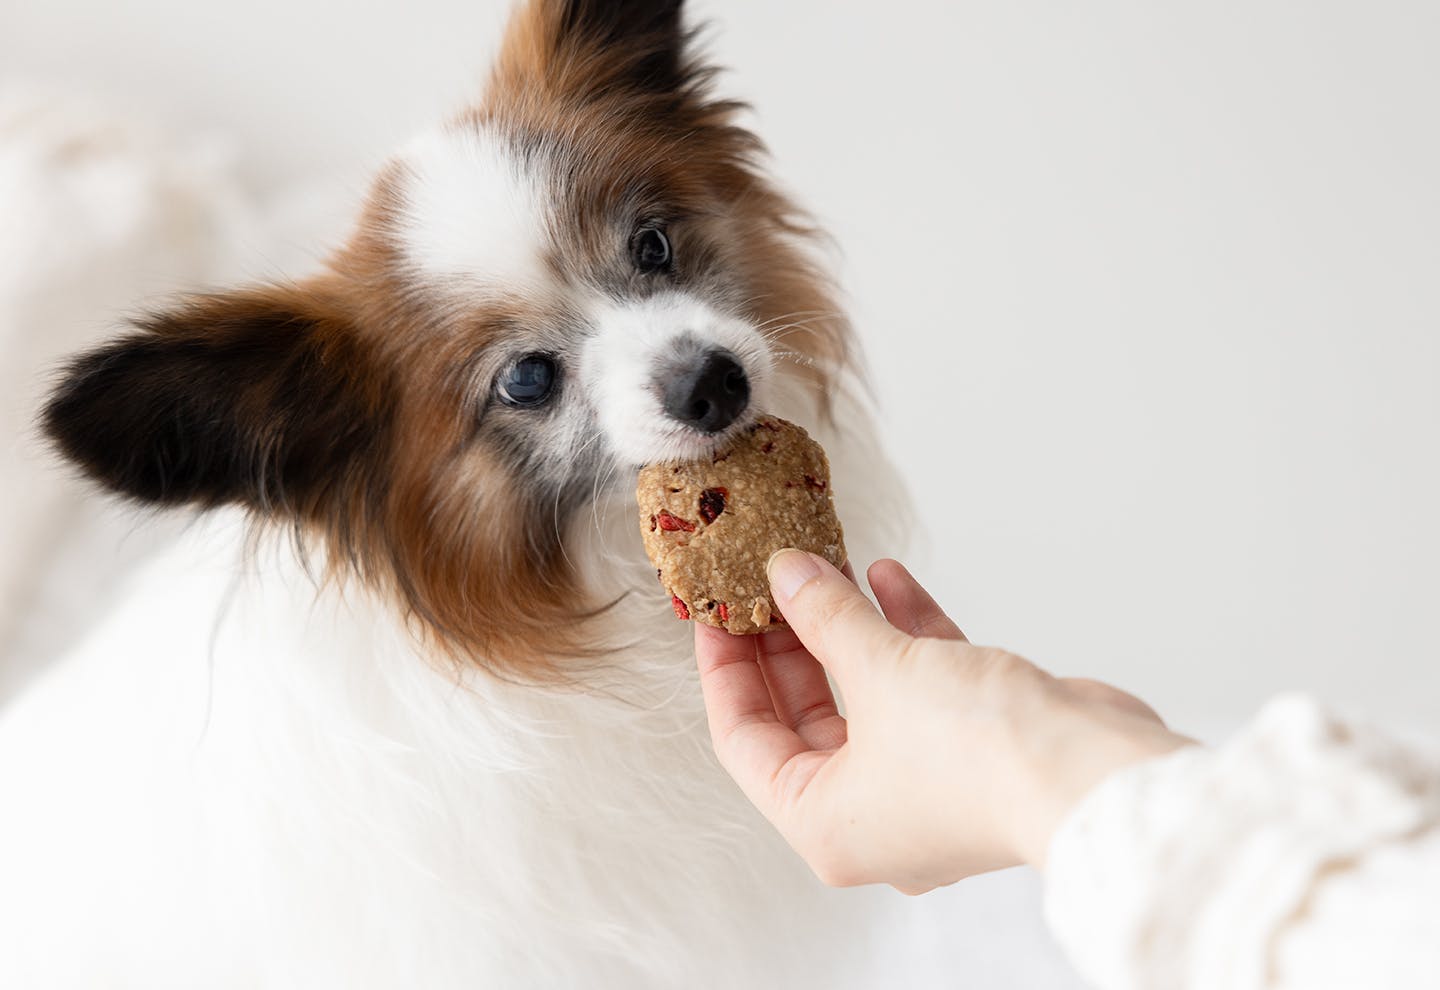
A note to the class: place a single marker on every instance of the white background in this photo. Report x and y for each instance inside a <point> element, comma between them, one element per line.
<point>1149,289</point>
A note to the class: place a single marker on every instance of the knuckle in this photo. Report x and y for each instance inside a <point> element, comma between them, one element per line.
<point>724,752</point>
<point>910,652</point>
<point>995,662</point>
<point>1000,673</point>
<point>813,712</point>
<point>838,610</point>
<point>934,625</point>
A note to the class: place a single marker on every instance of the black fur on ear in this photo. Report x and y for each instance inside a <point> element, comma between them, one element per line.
<point>650,31</point>
<point>258,397</point>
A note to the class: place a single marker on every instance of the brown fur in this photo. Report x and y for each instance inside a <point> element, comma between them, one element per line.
<point>429,511</point>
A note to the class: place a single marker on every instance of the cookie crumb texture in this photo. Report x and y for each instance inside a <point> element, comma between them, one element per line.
<point>710,526</point>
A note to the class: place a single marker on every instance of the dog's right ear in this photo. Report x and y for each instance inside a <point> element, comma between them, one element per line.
<point>258,397</point>
<point>645,35</point>
<point>596,49</point>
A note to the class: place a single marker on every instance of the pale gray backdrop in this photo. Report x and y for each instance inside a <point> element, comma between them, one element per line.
<point>1149,288</point>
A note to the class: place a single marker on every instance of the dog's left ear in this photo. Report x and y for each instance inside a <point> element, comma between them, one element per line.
<point>595,48</point>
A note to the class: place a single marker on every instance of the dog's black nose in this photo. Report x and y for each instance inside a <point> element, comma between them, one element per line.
<point>710,395</point>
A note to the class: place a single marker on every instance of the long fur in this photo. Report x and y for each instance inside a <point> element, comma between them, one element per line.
<point>407,706</point>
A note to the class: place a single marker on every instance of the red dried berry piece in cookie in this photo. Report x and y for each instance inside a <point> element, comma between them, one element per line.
<point>674,524</point>
<point>682,611</point>
<point>724,611</point>
<point>712,503</point>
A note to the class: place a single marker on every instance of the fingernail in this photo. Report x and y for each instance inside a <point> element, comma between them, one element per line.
<point>788,571</point>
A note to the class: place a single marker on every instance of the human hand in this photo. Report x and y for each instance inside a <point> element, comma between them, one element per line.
<point>950,760</point>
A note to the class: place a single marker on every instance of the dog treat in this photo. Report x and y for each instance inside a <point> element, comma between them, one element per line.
<point>710,526</point>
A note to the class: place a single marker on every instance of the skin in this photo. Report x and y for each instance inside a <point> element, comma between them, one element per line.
<point>950,760</point>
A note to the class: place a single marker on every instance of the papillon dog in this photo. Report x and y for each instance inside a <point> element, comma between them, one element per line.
<point>406,706</point>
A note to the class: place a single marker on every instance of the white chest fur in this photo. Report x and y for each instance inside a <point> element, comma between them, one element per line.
<point>242,780</point>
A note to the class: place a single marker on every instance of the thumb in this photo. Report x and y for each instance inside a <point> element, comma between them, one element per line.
<point>829,614</point>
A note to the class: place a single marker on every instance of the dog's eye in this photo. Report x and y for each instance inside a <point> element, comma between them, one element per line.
<point>651,250</point>
<point>528,382</point>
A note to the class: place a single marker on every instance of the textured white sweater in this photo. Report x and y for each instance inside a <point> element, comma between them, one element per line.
<point>1305,853</point>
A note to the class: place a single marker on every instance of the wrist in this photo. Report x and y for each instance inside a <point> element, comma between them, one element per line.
<point>1081,744</point>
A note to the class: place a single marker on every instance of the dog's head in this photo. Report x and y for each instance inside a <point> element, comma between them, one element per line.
<point>585,272</point>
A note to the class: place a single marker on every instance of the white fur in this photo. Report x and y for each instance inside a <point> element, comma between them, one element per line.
<point>243,780</point>
<point>472,214</point>
<point>622,359</point>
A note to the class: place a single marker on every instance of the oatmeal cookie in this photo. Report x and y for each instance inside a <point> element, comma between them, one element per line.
<point>710,526</point>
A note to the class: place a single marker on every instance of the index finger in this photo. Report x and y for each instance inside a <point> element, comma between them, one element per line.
<point>908,605</point>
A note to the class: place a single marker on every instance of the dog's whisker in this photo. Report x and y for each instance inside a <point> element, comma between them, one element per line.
<point>555,508</point>
<point>810,315</point>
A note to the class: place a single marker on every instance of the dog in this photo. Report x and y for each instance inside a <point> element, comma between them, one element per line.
<point>406,706</point>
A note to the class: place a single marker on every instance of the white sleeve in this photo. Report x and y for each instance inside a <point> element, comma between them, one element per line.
<point>1305,853</point>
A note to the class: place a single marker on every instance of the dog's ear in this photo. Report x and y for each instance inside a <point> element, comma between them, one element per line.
<point>646,35</point>
<point>595,49</point>
<point>257,397</point>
